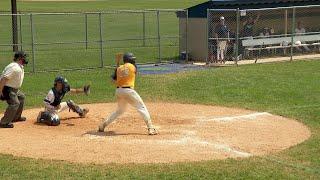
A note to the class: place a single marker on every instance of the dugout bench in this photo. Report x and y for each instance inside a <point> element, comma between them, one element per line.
<point>273,43</point>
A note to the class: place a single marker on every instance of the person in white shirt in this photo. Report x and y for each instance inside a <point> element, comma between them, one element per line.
<point>10,82</point>
<point>300,30</point>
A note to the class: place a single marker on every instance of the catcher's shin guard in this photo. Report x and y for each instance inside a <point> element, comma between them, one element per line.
<point>75,108</point>
<point>48,119</point>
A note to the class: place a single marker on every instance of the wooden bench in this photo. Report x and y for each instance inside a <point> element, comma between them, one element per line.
<point>258,44</point>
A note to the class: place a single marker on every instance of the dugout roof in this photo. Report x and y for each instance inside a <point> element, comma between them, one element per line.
<point>200,10</point>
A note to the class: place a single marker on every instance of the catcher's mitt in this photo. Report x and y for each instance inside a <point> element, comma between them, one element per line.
<point>86,89</point>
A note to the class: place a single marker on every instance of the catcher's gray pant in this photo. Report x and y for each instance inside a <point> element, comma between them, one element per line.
<point>125,96</point>
<point>15,106</point>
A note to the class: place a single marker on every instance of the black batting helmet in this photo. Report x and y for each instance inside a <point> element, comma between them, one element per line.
<point>129,57</point>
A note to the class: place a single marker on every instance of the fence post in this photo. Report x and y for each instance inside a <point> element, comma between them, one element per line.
<point>86,29</point>
<point>237,37</point>
<point>292,31</point>
<point>144,28</point>
<point>32,43</point>
<point>14,25</point>
<point>101,40</point>
<point>187,21</point>
<point>159,40</point>
<point>207,36</point>
<point>20,32</point>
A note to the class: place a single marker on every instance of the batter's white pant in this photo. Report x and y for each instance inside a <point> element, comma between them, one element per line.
<point>54,112</point>
<point>221,47</point>
<point>129,96</point>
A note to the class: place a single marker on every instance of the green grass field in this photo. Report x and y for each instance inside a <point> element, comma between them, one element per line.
<point>120,32</point>
<point>289,89</point>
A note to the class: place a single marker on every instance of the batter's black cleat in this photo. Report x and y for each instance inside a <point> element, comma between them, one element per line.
<point>10,125</point>
<point>21,119</point>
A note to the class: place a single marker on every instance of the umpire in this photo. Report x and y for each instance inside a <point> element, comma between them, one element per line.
<point>10,81</point>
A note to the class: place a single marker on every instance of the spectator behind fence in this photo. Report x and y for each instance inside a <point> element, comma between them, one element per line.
<point>247,33</point>
<point>265,33</point>
<point>300,30</point>
<point>248,26</point>
<point>222,35</point>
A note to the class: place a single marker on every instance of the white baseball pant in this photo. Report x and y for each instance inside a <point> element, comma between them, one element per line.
<point>128,96</point>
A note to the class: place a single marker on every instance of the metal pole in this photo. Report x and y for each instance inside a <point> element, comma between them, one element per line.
<point>101,40</point>
<point>180,36</point>
<point>32,43</point>
<point>207,36</point>
<point>292,31</point>
<point>86,29</point>
<point>14,25</point>
<point>20,32</point>
<point>187,24</point>
<point>144,28</point>
<point>159,40</point>
<point>286,22</point>
<point>237,37</point>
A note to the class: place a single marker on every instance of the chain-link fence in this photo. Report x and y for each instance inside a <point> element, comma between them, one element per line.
<point>222,28</point>
<point>240,36</point>
<point>57,41</point>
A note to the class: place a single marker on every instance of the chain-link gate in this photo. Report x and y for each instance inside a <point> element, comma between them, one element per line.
<point>266,35</point>
<point>307,31</point>
<point>57,41</point>
<point>222,35</point>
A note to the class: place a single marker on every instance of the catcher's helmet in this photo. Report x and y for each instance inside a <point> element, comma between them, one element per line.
<point>128,57</point>
<point>21,54</point>
<point>61,80</point>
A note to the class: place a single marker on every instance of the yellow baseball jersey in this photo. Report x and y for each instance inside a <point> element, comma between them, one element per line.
<point>126,75</point>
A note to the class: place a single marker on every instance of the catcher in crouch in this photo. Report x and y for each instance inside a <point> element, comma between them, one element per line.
<point>53,104</point>
<point>124,78</point>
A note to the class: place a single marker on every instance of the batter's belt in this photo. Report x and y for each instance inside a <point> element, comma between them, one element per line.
<point>127,87</point>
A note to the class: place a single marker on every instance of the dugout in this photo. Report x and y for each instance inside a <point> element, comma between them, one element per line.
<point>198,29</point>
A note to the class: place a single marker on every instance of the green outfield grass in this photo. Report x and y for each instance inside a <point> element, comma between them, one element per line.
<point>288,89</point>
<point>120,32</point>
<point>99,5</point>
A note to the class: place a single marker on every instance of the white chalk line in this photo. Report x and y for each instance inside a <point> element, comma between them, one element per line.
<point>252,116</point>
<point>189,139</point>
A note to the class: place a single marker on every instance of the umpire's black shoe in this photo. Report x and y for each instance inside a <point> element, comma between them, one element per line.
<point>20,119</point>
<point>10,125</point>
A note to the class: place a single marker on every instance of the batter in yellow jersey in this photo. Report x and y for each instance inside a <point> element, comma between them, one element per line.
<point>124,78</point>
<point>126,75</point>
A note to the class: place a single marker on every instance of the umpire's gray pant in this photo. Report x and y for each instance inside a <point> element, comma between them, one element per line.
<point>15,106</point>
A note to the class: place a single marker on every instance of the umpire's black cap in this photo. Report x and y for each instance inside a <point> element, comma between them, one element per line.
<point>19,54</point>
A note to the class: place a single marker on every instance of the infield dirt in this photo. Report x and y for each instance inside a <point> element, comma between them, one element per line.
<point>187,133</point>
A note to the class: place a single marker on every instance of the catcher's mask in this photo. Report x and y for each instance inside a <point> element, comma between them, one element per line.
<point>61,80</point>
<point>129,58</point>
<point>21,55</point>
